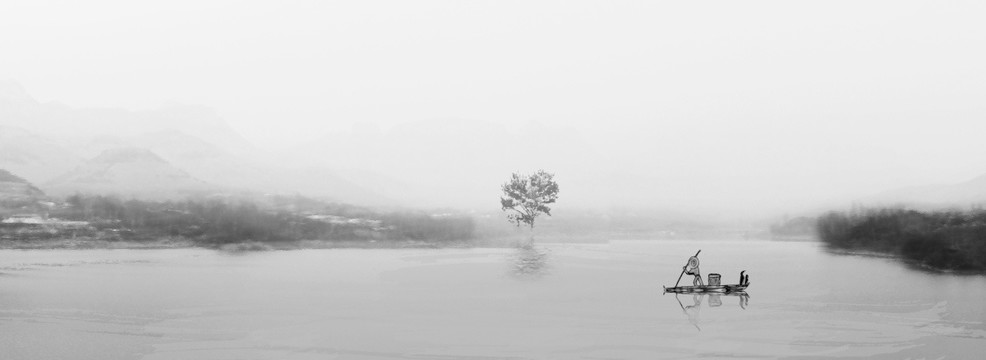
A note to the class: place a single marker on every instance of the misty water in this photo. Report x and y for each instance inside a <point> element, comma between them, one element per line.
<point>559,301</point>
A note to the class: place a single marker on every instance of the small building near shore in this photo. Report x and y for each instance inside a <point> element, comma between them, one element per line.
<point>42,220</point>
<point>24,219</point>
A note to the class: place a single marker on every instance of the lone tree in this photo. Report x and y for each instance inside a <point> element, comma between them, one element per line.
<point>528,197</point>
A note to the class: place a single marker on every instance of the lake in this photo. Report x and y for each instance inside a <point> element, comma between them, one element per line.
<point>560,301</point>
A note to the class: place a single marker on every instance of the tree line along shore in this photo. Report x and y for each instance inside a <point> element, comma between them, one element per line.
<point>277,222</point>
<point>947,240</point>
<point>950,240</point>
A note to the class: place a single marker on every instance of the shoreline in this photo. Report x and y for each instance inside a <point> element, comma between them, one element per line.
<point>911,263</point>
<point>170,243</point>
<point>250,245</point>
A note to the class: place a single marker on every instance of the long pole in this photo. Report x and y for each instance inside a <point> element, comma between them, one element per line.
<point>683,271</point>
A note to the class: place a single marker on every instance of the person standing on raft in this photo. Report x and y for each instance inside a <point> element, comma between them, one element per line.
<point>692,269</point>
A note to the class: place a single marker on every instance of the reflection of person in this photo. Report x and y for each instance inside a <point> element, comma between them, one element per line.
<point>692,269</point>
<point>744,300</point>
<point>715,300</point>
<point>692,310</point>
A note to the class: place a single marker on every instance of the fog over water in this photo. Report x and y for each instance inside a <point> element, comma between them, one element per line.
<point>582,301</point>
<point>342,179</point>
<point>716,107</point>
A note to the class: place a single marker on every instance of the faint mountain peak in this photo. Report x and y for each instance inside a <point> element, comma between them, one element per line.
<point>127,155</point>
<point>977,181</point>
<point>175,144</point>
<point>171,136</point>
<point>197,112</point>
<point>15,192</point>
<point>13,132</point>
<point>13,91</point>
<point>75,124</point>
<point>130,172</point>
<point>7,176</point>
<point>970,192</point>
<point>34,157</point>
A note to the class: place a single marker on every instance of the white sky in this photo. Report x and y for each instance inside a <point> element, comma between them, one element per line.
<point>865,95</point>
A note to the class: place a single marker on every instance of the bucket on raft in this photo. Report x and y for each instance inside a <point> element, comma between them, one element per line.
<point>714,279</point>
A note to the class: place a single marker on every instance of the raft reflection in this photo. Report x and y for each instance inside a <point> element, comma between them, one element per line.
<point>715,300</point>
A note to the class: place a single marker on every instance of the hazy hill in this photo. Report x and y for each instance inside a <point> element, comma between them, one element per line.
<point>189,144</point>
<point>13,92</point>
<point>961,194</point>
<point>452,162</point>
<point>209,163</point>
<point>18,109</point>
<point>35,158</point>
<point>455,162</point>
<point>129,172</point>
<point>194,155</point>
<point>15,192</point>
<point>214,165</point>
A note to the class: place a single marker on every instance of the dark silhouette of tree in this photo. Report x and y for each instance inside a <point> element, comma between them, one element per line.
<point>946,239</point>
<point>528,196</point>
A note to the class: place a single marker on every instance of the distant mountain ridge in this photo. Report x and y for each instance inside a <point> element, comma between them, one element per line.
<point>34,157</point>
<point>132,173</point>
<point>207,162</point>
<point>971,192</point>
<point>18,109</point>
<point>46,161</point>
<point>14,92</point>
<point>68,149</point>
<point>15,192</point>
<point>428,163</point>
<point>455,162</point>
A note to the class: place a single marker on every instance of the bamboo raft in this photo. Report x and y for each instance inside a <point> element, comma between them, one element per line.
<point>713,287</point>
<point>701,289</point>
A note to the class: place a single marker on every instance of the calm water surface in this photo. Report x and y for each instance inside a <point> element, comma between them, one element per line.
<point>602,301</point>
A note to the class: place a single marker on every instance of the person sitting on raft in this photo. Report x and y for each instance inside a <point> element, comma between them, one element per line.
<point>692,269</point>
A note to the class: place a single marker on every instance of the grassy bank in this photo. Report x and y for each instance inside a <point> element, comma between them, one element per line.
<point>945,240</point>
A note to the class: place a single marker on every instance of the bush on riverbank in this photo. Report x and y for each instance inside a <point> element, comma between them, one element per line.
<point>949,240</point>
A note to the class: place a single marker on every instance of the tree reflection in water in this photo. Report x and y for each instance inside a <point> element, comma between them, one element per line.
<point>530,262</point>
<point>715,300</point>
